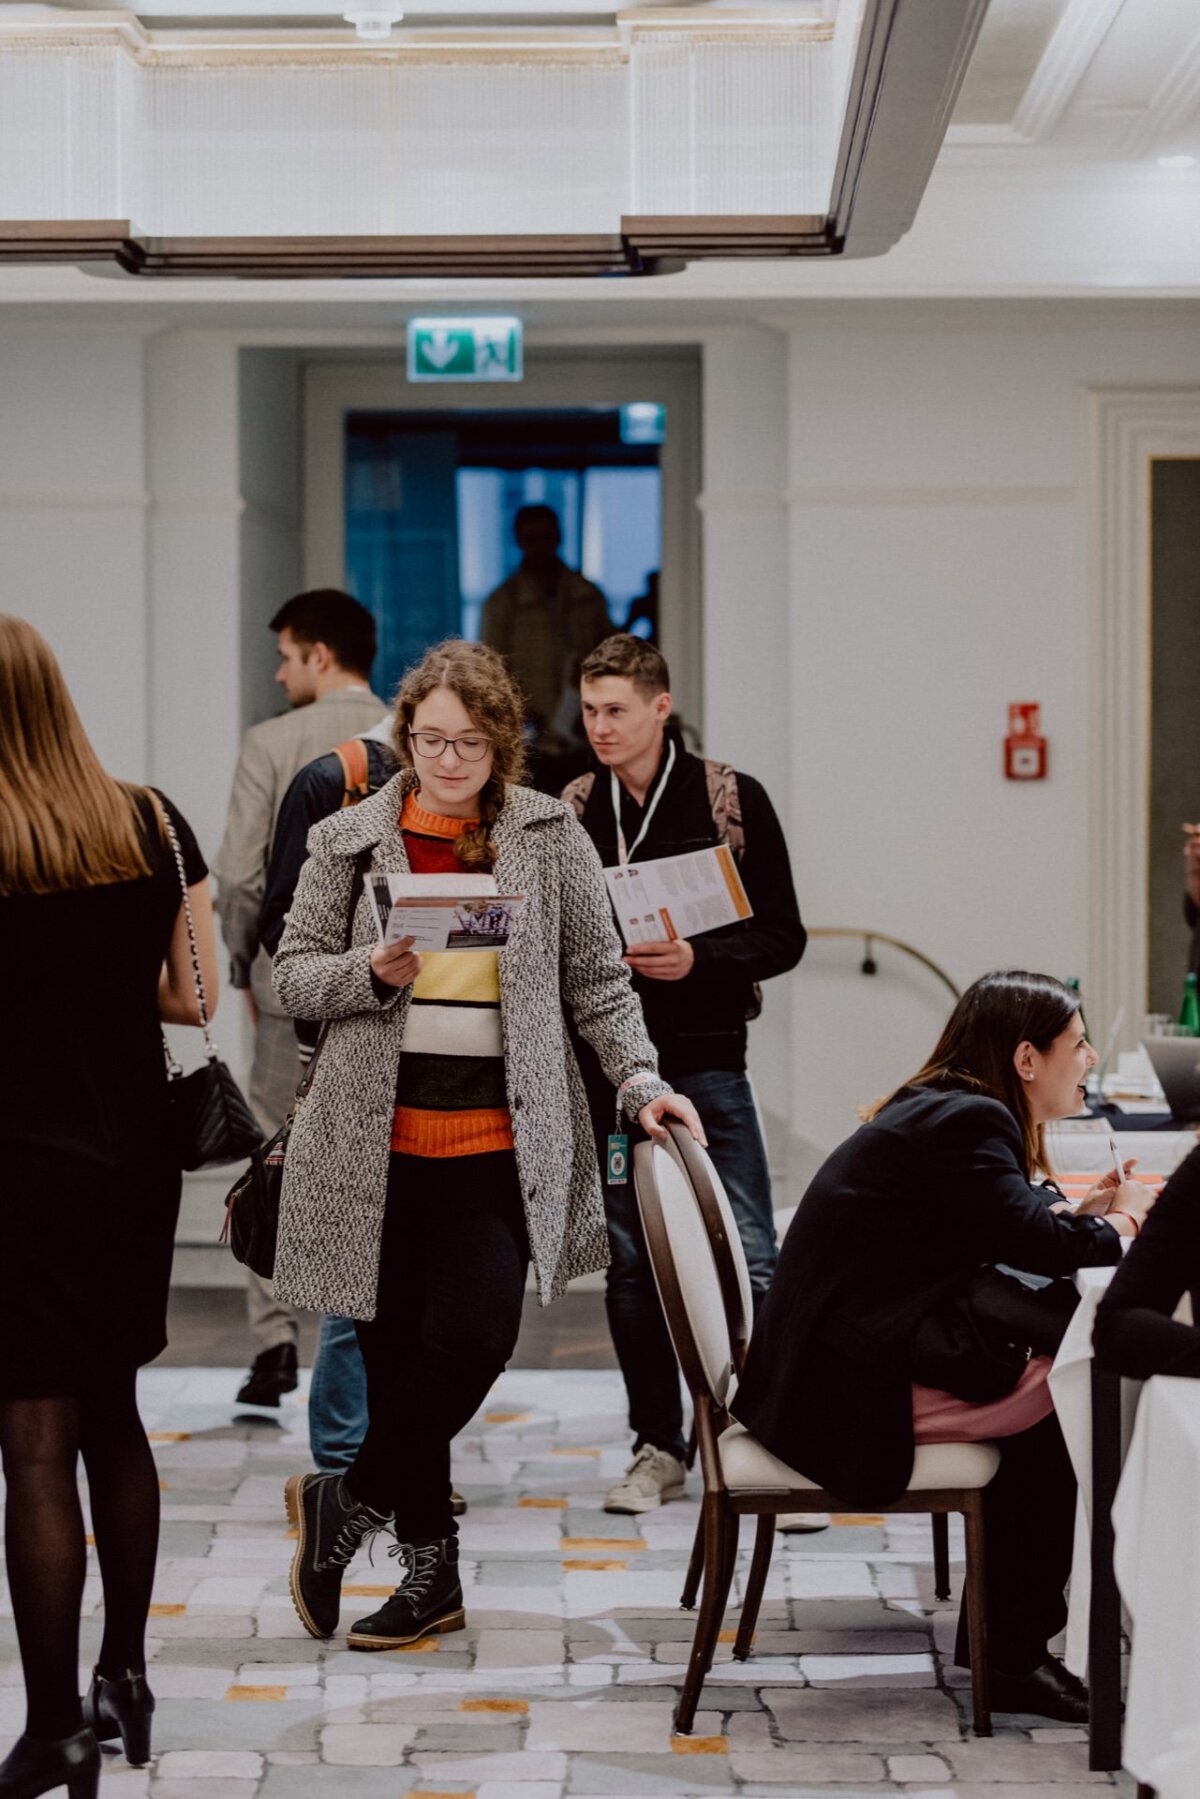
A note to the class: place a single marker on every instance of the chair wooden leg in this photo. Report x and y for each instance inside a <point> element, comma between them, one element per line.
<point>731,1530</point>
<point>691,1585</point>
<point>976,1602</point>
<point>689,1454</point>
<point>718,1574</point>
<point>764,1543</point>
<point>941,1554</point>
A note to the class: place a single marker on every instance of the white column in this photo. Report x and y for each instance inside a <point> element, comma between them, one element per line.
<point>747,717</point>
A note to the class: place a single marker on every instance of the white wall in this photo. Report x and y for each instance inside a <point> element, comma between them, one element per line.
<point>937,571</point>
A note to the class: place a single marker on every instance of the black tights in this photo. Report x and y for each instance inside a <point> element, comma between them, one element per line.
<point>41,1441</point>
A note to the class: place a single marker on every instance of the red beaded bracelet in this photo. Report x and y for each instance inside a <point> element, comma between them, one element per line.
<point>1135,1222</point>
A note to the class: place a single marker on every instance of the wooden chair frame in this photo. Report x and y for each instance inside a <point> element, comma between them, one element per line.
<point>722,1510</point>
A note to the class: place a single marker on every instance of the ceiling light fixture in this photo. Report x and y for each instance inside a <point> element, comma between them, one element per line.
<point>1177,162</point>
<point>372,19</point>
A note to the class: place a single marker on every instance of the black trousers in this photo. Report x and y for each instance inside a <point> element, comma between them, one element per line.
<point>451,1281</point>
<point>1029,1528</point>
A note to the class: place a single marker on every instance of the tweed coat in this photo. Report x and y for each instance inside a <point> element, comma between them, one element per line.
<point>563,951</point>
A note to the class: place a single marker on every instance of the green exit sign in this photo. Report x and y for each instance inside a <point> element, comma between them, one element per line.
<point>465,349</point>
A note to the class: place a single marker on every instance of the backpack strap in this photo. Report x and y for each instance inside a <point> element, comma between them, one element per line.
<point>356,770</point>
<point>726,805</point>
<point>578,793</point>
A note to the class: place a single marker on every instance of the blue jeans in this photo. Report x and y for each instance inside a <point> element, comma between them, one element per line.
<point>635,1316</point>
<point>337,1398</point>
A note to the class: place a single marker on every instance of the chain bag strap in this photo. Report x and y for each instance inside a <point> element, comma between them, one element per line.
<point>212,1123</point>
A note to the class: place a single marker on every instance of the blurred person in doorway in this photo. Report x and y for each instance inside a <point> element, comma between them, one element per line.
<point>94,956</point>
<point>647,796</point>
<point>544,620</point>
<point>326,646</point>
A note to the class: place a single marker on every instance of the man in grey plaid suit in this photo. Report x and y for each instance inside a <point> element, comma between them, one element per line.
<point>326,648</point>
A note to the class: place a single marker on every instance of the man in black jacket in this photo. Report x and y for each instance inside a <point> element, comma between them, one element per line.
<point>647,797</point>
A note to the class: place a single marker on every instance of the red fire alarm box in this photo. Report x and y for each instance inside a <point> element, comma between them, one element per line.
<point>1025,747</point>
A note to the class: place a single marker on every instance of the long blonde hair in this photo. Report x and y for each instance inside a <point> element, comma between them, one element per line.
<point>478,677</point>
<point>64,822</point>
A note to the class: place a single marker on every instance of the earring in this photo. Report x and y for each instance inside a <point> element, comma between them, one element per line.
<point>1027,1077</point>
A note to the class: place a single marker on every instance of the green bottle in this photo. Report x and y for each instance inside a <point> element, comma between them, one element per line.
<point>1072,983</point>
<point>1189,1011</point>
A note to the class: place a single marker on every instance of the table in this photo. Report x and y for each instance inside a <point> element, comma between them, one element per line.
<point>1095,1411</point>
<point>1158,1569</point>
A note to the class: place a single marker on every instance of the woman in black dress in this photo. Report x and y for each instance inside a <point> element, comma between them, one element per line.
<point>93,955</point>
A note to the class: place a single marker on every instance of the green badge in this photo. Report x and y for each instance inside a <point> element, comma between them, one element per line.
<point>618,1161</point>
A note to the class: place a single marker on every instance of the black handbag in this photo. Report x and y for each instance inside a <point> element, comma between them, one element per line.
<point>251,1224</point>
<point>210,1120</point>
<point>977,1344</point>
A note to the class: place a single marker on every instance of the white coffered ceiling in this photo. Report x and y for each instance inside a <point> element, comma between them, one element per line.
<point>1071,167</point>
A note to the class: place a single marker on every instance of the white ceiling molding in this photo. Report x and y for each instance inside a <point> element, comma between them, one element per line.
<point>1171,107</point>
<point>1082,29</point>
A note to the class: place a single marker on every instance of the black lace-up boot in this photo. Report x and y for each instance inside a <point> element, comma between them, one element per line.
<point>331,1526</point>
<point>427,1602</point>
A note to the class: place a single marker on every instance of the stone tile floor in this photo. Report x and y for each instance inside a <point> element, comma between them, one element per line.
<point>564,1680</point>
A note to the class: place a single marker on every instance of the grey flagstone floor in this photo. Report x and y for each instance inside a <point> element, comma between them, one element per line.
<point>564,1680</point>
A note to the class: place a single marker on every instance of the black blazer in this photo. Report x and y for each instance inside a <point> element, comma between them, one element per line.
<point>1134,1331</point>
<point>894,1223</point>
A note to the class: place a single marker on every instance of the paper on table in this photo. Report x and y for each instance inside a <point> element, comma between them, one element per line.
<point>678,896</point>
<point>443,911</point>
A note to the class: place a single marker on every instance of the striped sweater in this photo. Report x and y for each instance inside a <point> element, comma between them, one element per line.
<point>450,1090</point>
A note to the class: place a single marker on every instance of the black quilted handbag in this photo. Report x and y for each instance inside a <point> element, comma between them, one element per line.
<point>210,1120</point>
<point>252,1207</point>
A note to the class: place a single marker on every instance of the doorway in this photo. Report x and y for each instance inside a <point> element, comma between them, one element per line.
<point>467,456</point>
<point>432,500</point>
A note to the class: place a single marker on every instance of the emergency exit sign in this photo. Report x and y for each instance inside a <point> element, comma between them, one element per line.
<point>465,349</point>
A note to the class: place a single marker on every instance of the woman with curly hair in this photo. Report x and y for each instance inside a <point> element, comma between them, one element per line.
<point>445,1142</point>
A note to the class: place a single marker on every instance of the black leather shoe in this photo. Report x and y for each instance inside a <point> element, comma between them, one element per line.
<point>1049,1691</point>
<point>33,1767</point>
<point>121,1708</point>
<point>330,1527</point>
<point>274,1373</point>
<point>427,1602</point>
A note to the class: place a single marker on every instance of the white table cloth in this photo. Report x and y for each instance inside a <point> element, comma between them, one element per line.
<point>1157,1521</point>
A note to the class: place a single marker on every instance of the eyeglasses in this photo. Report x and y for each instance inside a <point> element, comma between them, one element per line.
<point>431,745</point>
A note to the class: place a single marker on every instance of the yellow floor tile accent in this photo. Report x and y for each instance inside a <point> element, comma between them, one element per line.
<point>169,1436</point>
<point>557,1505</point>
<point>519,1706</point>
<point>593,1567</point>
<point>368,1592</point>
<point>587,1543</point>
<point>90,1541</point>
<point>162,1486</point>
<point>255,1694</point>
<point>505,1417</point>
<point>167,1611</point>
<point>424,1646</point>
<point>292,1535</point>
<point>856,1518</point>
<point>574,1452</point>
<point>699,1745</point>
<point>729,1636</point>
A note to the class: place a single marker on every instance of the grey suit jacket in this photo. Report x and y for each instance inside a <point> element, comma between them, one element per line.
<point>272,754</point>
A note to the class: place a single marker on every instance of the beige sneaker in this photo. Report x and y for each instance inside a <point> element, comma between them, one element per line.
<point>653,1477</point>
<point>796,1523</point>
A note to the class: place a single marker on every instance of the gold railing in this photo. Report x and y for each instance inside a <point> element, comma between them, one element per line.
<point>871,938</point>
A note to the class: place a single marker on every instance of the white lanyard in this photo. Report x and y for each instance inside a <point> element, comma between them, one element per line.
<point>624,855</point>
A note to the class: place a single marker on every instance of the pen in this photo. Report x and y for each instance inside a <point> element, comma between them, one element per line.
<point>1118,1164</point>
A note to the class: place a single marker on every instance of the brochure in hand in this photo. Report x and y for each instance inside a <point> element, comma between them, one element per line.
<point>678,896</point>
<point>443,911</point>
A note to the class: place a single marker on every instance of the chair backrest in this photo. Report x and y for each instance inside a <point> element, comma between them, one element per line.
<point>685,1271</point>
<point>724,1237</point>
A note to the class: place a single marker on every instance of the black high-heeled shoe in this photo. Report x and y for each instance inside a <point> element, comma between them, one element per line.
<point>121,1708</point>
<point>34,1767</point>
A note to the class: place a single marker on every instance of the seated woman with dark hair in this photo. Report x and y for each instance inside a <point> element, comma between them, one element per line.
<point>1135,1332</point>
<point>936,1185</point>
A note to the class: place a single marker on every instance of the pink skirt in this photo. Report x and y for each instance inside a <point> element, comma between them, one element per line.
<point>940,1418</point>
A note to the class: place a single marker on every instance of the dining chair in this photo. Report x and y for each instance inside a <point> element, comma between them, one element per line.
<point>696,1270</point>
